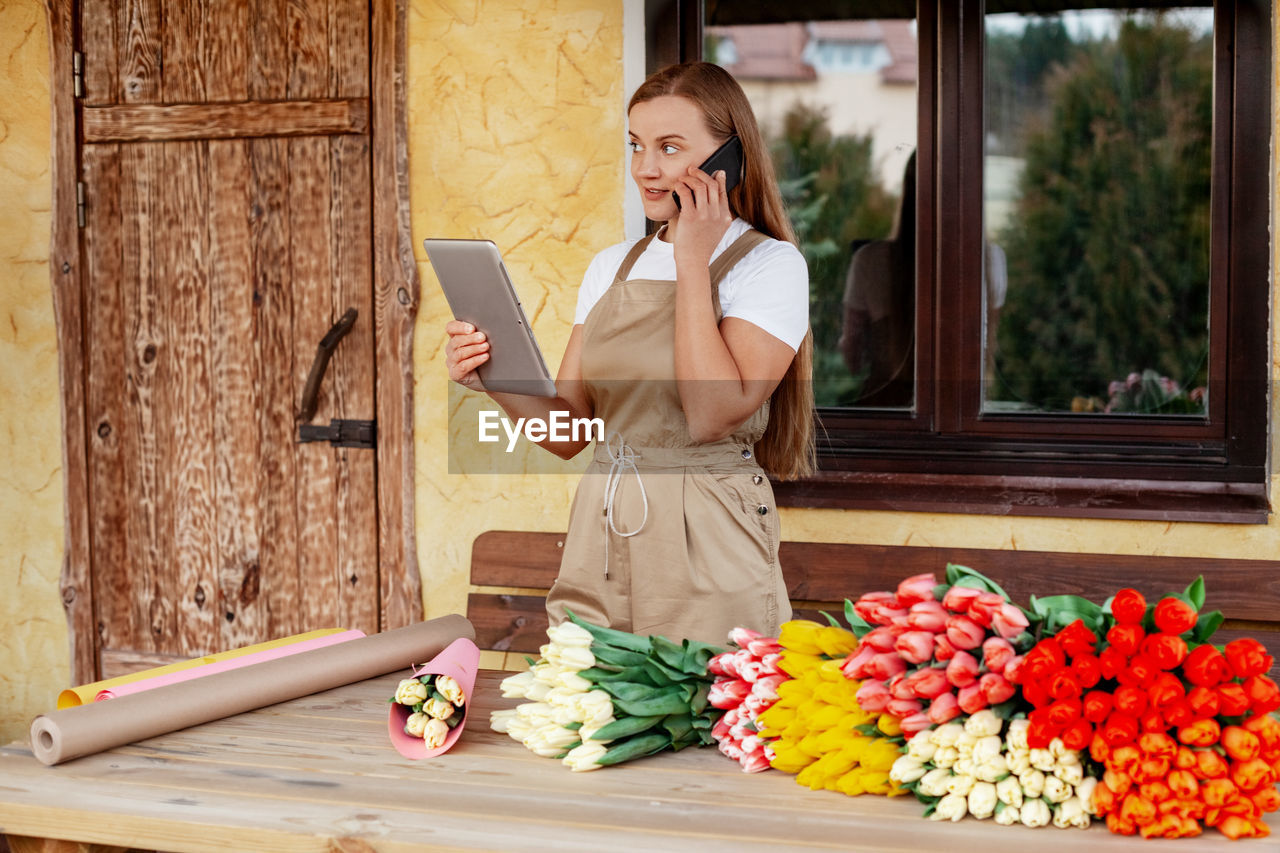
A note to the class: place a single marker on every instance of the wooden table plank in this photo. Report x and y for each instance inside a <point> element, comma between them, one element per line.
<point>318,773</point>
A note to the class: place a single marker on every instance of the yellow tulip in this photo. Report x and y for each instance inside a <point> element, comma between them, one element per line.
<point>889,724</point>
<point>795,663</point>
<point>880,755</point>
<point>876,781</point>
<point>826,717</point>
<point>851,783</point>
<point>836,642</point>
<point>829,670</point>
<point>800,635</point>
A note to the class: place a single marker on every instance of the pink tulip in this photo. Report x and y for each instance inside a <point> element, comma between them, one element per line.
<point>720,730</point>
<point>728,694</point>
<point>741,637</point>
<point>985,606</point>
<point>915,646</point>
<point>944,708</point>
<point>943,650</point>
<point>1013,669</point>
<point>764,646</point>
<point>715,666</point>
<point>900,621</point>
<point>856,663</point>
<point>731,749</point>
<point>754,762</point>
<point>964,633</point>
<point>755,705</point>
<point>769,662</point>
<point>996,688</point>
<point>927,616</point>
<point>766,687</point>
<point>962,670</point>
<point>873,696</point>
<point>731,717</point>
<point>871,604</point>
<point>916,588</point>
<point>902,708</point>
<point>915,724</point>
<point>751,671</point>
<point>1010,621</point>
<point>996,653</point>
<point>886,665</point>
<point>929,683</point>
<point>881,639</point>
<point>898,687</point>
<point>958,597</point>
<point>970,699</point>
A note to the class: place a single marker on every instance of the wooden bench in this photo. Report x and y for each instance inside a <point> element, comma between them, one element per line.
<point>511,572</point>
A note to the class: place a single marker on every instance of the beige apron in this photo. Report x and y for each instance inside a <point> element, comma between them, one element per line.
<point>665,536</point>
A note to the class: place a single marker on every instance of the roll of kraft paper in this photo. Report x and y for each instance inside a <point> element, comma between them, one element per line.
<point>83,730</point>
<point>224,665</point>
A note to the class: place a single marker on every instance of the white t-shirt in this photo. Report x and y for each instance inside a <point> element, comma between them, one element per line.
<point>768,287</point>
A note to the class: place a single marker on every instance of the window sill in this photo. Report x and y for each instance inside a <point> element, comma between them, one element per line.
<point>1058,497</point>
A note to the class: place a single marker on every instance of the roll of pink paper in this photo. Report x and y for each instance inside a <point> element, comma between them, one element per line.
<point>461,660</point>
<point>224,665</point>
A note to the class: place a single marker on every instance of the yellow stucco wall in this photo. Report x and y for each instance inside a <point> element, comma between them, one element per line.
<point>34,659</point>
<point>515,135</point>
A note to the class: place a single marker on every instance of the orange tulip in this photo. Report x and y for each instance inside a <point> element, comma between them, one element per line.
<point>1183,784</point>
<point>1098,748</point>
<point>1185,759</point>
<point>1266,798</point>
<point>1251,775</point>
<point>1170,826</point>
<point>1119,825</point>
<point>1200,733</point>
<point>1216,793</point>
<point>1151,768</point>
<point>1234,827</point>
<point>1155,791</point>
<point>1240,743</point>
<point>1125,758</point>
<point>1210,765</point>
<point>1117,780</point>
<point>1104,799</point>
<point>1137,808</point>
<point>1158,745</point>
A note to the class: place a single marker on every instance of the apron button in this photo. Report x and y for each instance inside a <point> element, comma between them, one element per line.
<point>746,454</point>
<point>762,509</point>
<point>756,478</point>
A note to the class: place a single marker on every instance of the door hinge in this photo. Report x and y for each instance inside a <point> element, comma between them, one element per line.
<point>341,433</point>
<point>77,73</point>
<point>80,203</point>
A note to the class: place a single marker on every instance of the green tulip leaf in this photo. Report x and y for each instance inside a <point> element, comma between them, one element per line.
<point>625,727</point>
<point>958,575</point>
<point>1206,625</point>
<point>635,747</point>
<point>1195,593</point>
<point>611,636</point>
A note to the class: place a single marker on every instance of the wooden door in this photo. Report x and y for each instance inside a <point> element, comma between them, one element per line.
<point>226,170</point>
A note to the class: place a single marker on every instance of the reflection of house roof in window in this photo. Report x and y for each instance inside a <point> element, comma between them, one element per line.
<point>768,51</point>
<point>776,51</point>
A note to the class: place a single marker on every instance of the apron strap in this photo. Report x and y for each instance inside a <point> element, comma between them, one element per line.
<point>728,258</point>
<point>632,256</point>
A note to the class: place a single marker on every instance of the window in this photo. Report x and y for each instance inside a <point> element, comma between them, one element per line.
<point>1038,245</point>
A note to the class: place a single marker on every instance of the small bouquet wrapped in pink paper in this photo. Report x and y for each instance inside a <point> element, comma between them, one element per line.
<point>429,709</point>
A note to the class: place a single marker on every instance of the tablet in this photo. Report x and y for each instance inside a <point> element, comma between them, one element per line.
<point>479,291</point>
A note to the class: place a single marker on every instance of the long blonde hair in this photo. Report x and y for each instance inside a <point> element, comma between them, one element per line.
<point>786,450</point>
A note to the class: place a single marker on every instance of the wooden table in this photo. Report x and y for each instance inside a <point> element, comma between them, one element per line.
<point>319,774</point>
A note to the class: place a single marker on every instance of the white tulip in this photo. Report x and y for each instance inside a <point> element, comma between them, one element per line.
<point>946,735</point>
<point>986,747</point>
<point>1035,813</point>
<point>1009,790</point>
<point>906,770</point>
<point>960,785</point>
<point>946,756</point>
<point>983,723</point>
<point>1019,761</point>
<point>965,766</point>
<point>1008,815</point>
<point>588,731</point>
<point>1032,784</point>
<point>1016,737</point>
<point>584,757</point>
<point>441,709</point>
<point>1068,756</point>
<point>537,691</point>
<point>594,707</point>
<point>570,635</point>
<point>1058,748</point>
<point>450,689</point>
<point>570,680</point>
<point>411,691</point>
<point>1055,790</point>
<point>546,672</point>
<point>951,807</point>
<point>1070,813</point>
<point>1043,759</point>
<point>434,733</point>
<point>934,783</point>
<point>518,727</point>
<point>965,742</point>
<point>517,686</point>
<point>992,769</point>
<point>415,724</point>
<point>922,747</point>
<point>500,720</point>
<point>576,659</point>
<point>1072,774</point>
<point>1084,790</point>
<point>982,800</point>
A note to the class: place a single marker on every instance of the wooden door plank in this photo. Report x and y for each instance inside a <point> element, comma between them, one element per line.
<point>313,314</point>
<point>142,170</point>
<point>268,60</point>
<point>98,41</point>
<point>308,48</point>
<point>224,54</point>
<point>139,24</point>
<point>349,49</point>
<point>134,122</point>
<point>274,377</point>
<point>190,427</point>
<point>241,613</point>
<point>106,387</point>
<point>352,381</point>
<point>182,73</point>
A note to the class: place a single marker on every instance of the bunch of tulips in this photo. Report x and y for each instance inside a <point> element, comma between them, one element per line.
<point>746,685</point>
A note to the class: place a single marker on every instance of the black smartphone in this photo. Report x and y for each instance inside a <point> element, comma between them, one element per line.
<point>727,157</point>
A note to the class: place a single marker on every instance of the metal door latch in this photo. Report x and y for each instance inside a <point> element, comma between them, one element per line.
<point>341,433</point>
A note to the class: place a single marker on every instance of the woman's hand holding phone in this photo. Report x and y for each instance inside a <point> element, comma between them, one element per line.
<point>704,217</point>
<point>466,349</point>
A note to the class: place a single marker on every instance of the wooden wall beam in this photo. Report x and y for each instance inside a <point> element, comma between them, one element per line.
<point>142,122</point>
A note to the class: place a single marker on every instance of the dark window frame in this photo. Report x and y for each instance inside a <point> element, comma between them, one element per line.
<point>947,456</point>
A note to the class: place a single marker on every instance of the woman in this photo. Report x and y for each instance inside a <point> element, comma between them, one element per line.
<point>693,345</point>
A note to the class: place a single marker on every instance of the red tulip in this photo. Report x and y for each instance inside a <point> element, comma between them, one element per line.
<point>1098,705</point>
<point>1166,650</point>
<point>878,608</point>
<point>1119,729</point>
<point>1112,661</point>
<point>1042,730</point>
<point>1064,712</point>
<point>1166,689</point>
<point>1126,638</point>
<point>943,651</point>
<point>929,683</point>
<point>962,669</point>
<point>957,598</point>
<point>1077,639</point>
<point>996,653</point>
<point>1263,693</point>
<point>1175,616</point>
<point>1064,685</point>
<point>927,616</point>
<point>898,687</point>
<point>964,633</point>
<point>1232,700</point>
<point>1178,713</point>
<point>1128,606</point>
<point>882,638</point>
<point>1077,735</point>
<point>944,708</point>
<point>1152,721</point>
<point>1131,700</point>
<point>1206,666</point>
<point>1204,701</point>
<point>1010,621</point>
<point>915,646</point>
<point>1044,659</point>
<point>971,699</point>
<point>996,688</point>
<point>1141,672</point>
<point>1248,657</point>
<point>915,589</point>
<point>1087,670</point>
<point>873,697</point>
